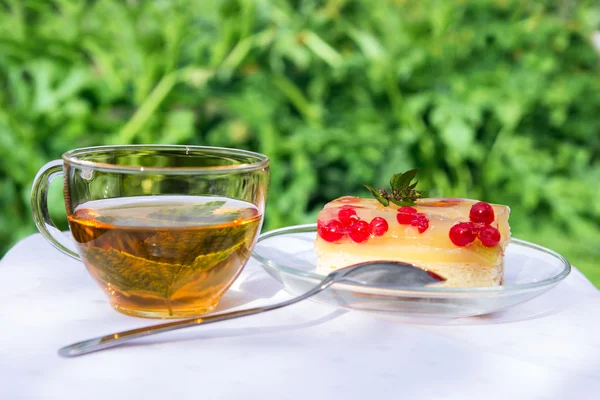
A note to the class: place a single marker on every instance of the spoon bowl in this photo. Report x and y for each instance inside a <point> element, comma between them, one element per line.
<point>385,274</point>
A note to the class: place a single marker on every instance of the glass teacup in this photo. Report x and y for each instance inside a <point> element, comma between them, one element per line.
<point>164,230</point>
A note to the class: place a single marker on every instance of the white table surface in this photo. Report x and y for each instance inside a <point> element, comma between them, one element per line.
<point>548,348</point>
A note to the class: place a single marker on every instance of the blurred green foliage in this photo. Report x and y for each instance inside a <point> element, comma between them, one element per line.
<point>493,99</point>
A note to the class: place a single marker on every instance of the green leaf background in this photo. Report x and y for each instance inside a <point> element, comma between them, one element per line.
<point>492,99</point>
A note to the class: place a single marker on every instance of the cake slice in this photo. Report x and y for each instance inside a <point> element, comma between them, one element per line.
<point>461,240</point>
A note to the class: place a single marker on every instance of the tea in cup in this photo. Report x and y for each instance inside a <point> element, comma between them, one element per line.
<point>164,230</point>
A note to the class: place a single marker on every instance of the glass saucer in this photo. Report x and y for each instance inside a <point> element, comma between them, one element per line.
<point>530,270</point>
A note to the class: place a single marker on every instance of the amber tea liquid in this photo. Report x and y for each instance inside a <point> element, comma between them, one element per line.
<point>165,256</point>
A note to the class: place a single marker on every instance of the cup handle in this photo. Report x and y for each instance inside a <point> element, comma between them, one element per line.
<point>39,207</point>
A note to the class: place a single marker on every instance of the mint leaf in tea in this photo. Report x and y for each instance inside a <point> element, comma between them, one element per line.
<point>165,256</point>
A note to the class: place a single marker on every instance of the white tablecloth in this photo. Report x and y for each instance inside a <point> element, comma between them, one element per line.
<point>548,348</point>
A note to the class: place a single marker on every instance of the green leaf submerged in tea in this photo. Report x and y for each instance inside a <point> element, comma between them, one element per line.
<point>197,212</point>
<point>182,214</point>
<point>181,260</point>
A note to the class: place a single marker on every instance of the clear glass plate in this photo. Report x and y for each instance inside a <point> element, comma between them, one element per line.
<point>288,255</point>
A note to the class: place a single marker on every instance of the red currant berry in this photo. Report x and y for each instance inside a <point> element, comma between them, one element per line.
<point>347,215</point>
<point>359,231</point>
<point>405,219</point>
<point>378,226</point>
<point>482,212</point>
<point>463,233</point>
<point>489,236</point>
<point>421,222</point>
<point>330,231</point>
<point>415,219</point>
<point>406,215</point>
<point>407,210</point>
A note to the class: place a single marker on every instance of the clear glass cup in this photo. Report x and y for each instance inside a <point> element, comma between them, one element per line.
<point>164,230</point>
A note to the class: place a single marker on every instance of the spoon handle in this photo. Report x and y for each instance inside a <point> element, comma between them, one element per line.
<point>115,339</point>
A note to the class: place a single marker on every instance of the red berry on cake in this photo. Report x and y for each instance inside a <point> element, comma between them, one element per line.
<point>489,236</point>
<point>404,219</point>
<point>347,215</point>
<point>482,212</point>
<point>421,222</point>
<point>406,215</point>
<point>407,210</point>
<point>330,231</point>
<point>379,226</point>
<point>463,233</point>
<point>359,231</point>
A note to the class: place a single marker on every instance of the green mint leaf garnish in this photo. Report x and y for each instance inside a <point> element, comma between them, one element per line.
<point>379,195</point>
<point>403,191</point>
<point>400,181</point>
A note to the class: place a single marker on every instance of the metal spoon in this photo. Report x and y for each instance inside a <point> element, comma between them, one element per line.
<point>386,273</point>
